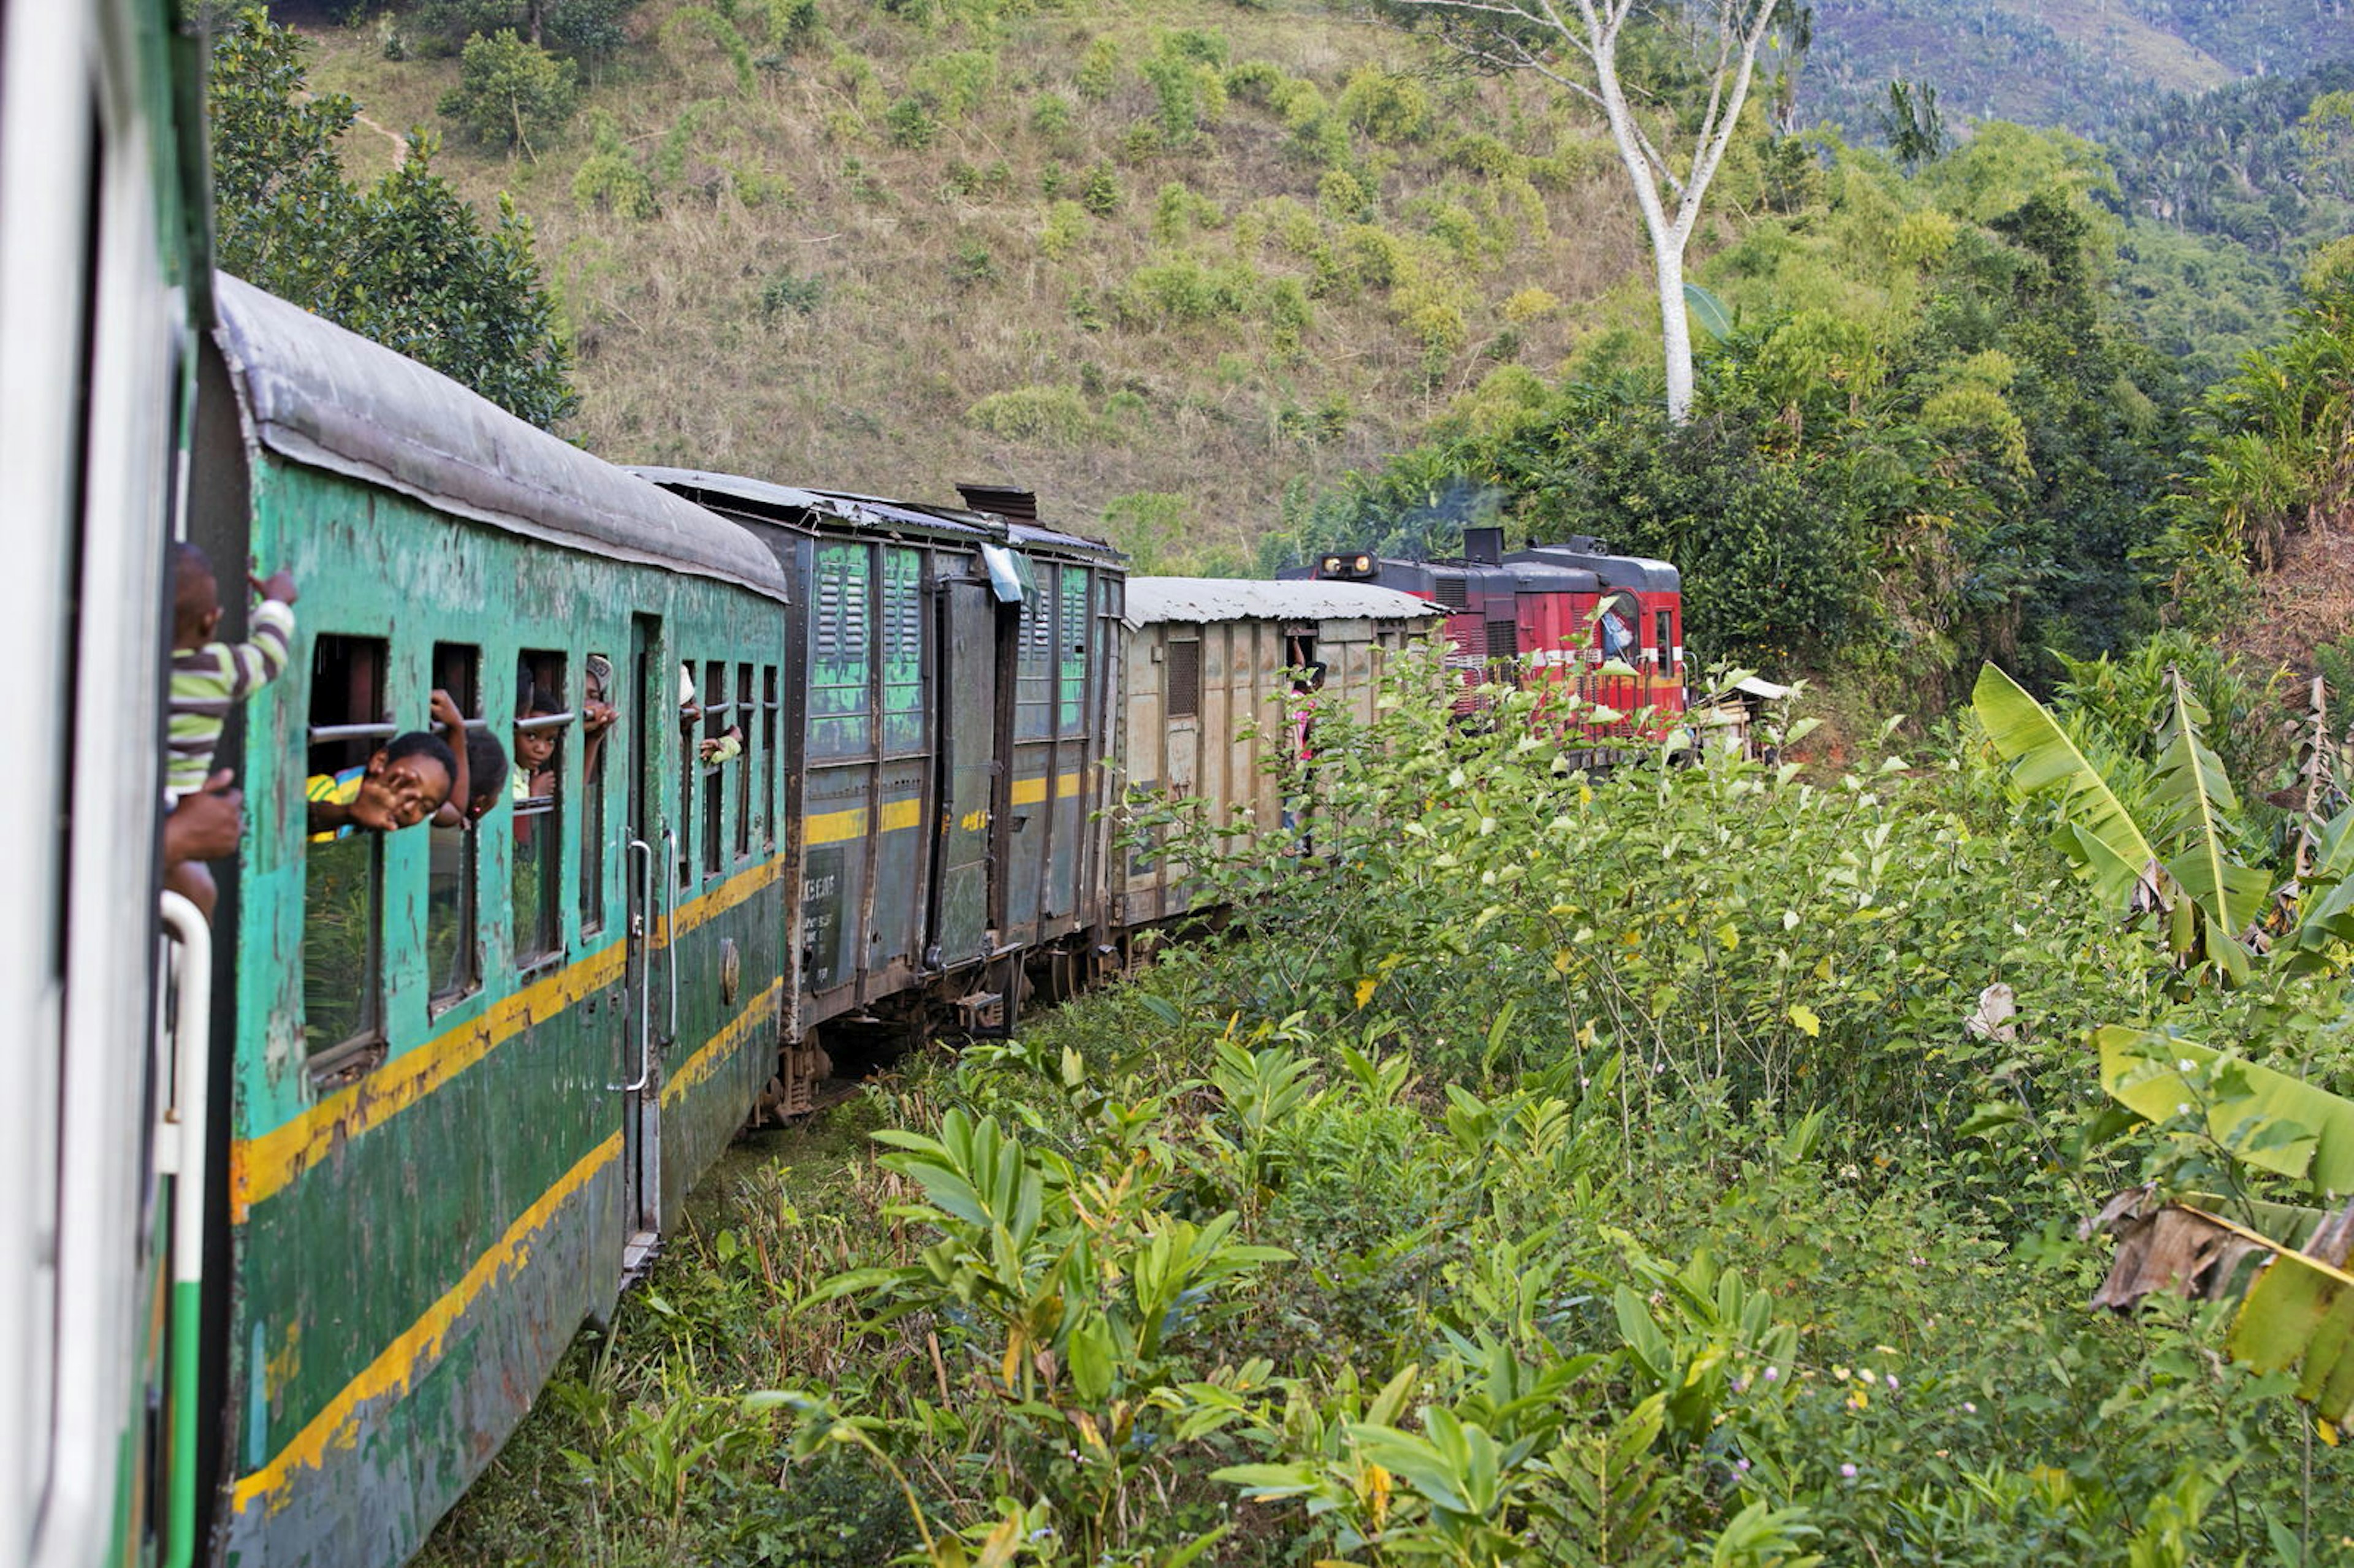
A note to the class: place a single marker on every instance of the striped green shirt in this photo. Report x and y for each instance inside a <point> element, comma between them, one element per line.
<point>207,682</point>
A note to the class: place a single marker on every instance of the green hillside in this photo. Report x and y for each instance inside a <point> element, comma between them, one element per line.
<point>1157,262</point>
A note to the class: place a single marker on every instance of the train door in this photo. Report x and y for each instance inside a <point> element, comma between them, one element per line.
<point>649,971</point>
<point>961,903</point>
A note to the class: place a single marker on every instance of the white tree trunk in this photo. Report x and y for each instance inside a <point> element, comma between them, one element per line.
<point>1675,325</point>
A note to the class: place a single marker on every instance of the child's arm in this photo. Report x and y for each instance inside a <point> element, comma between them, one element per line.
<point>256,662</point>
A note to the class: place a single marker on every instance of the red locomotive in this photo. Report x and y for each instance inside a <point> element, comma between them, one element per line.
<point>1610,627</point>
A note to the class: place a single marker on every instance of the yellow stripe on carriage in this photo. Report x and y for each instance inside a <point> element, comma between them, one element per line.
<point>269,1161</point>
<point>722,1045</point>
<point>395,1367</point>
<point>841,827</point>
<point>1033,791</point>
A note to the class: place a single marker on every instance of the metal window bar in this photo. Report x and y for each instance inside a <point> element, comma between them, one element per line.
<point>326,732</point>
<point>544,722</point>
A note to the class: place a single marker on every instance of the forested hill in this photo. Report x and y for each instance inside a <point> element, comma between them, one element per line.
<point>2084,64</point>
<point>1159,262</point>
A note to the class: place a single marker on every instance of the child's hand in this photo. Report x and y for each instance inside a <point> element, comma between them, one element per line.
<point>445,712</point>
<point>597,717</point>
<point>279,585</point>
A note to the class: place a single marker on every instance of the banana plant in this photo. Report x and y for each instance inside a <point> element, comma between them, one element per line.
<point>2173,856</point>
<point>2297,1311</point>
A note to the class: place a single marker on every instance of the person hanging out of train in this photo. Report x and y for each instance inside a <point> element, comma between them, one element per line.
<point>598,713</point>
<point>486,769</point>
<point>1300,722</point>
<point>209,678</point>
<point>407,779</point>
<point>534,777</point>
<point>725,747</point>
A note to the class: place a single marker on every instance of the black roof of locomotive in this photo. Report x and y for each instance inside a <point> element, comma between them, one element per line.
<point>1639,573</point>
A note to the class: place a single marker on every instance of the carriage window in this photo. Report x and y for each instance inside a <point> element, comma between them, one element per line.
<point>903,651</point>
<point>1034,674</point>
<point>598,690</point>
<point>1664,622</point>
<point>342,877</point>
<point>771,707</point>
<point>535,789</point>
<point>1185,677</point>
<point>840,654</point>
<point>718,718</point>
<point>743,769</point>
<point>1071,643</point>
<point>453,955</point>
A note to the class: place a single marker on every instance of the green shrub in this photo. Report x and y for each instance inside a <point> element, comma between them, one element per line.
<point>1182,291</point>
<point>1067,225</point>
<point>1050,416</point>
<point>955,84</point>
<point>1194,46</point>
<point>511,94</point>
<point>911,123</point>
<point>1098,71</point>
<point>1385,106</point>
<point>1051,117</point>
<point>789,291</point>
<point>1148,526</point>
<point>609,179</point>
<point>971,266</point>
<point>1341,195</point>
<point>1103,194</point>
<point>1255,82</point>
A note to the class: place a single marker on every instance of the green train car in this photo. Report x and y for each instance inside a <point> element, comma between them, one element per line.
<point>100,300</point>
<point>468,1074</point>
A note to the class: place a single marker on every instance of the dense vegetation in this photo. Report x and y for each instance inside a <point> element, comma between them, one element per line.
<point>1679,1166</point>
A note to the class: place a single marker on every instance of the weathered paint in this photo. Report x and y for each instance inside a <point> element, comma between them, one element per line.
<point>414,1250</point>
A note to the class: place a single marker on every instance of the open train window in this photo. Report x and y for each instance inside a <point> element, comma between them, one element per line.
<point>718,722</point>
<point>343,870</point>
<point>453,955</point>
<point>1183,674</point>
<point>771,707</point>
<point>599,700</point>
<point>745,765</point>
<point>1664,625</point>
<point>536,790</point>
<point>1617,626</point>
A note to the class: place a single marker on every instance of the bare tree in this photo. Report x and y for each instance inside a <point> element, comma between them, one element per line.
<point>1575,44</point>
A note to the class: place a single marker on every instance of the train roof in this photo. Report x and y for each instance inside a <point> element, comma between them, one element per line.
<point>1640,573</point>
<point>793,503</point>
<point>1204,599</point>
<point>319,394</point>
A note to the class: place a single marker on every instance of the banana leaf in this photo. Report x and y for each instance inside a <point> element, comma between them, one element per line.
<point>2196,796</point>
<point>2100,832</point>
<point>1709,312</point>
<point>2325,895</point>
<point>2264,1116</point>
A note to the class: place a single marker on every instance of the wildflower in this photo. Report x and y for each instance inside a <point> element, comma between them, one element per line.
<point>1773,1374</point>
<point>2182,1107</point>
<point>1839,1375</point>
<point>1846,1472</point>
<point>1969,1408</point>
<point>1891,1381</point>
<point>1741,1465</point>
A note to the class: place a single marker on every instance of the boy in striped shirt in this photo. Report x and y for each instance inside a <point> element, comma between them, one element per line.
<point>208,678</point>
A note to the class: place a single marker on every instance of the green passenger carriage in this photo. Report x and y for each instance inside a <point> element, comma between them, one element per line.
<point>471,1074</point>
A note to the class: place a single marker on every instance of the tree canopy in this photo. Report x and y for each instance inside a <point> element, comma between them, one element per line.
<point>405,261</point>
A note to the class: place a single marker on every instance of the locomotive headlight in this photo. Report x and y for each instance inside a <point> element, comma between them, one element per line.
<point>1365,565</point>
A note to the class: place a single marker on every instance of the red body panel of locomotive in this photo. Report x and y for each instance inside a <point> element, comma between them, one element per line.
<point>1608,627</point>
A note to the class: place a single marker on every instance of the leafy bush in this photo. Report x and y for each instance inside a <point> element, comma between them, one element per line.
<point>1103,194</point>
<point>511,93</point>
<point>1051,416</point>
<point>1385,106</point>
<point>911,123</point>
<point>1098,71</point>
<point>789,291</point>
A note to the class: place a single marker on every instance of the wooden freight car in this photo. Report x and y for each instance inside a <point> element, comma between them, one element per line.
<point>960,684</point>
<point>1214,670</point>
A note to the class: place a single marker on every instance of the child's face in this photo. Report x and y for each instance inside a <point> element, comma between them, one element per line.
<point>535,747</point>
